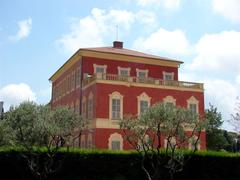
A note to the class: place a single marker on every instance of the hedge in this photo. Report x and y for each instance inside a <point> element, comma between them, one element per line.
<point>110,165</point>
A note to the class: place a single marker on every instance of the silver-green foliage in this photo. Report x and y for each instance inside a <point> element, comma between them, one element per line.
<point>145,134</point>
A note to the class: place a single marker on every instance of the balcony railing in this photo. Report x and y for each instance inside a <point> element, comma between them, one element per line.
<point>148,80</point>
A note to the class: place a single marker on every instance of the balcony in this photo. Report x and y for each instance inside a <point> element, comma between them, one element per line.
<point>148,80</point>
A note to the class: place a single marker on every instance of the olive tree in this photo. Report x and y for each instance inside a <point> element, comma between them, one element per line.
<point>162,124</point>
<point>37,126</point>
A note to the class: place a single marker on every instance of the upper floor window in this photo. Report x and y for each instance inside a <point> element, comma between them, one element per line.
<point>142,73</point>
<point>143,102</point>
<point>192,104</point>
<point>168,76</point>
<point>123,71</point>
<point>99,68</point>
<point>115,106</point>
<point>77,77</point>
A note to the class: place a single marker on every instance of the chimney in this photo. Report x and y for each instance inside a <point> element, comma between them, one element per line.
<point>118,44</point>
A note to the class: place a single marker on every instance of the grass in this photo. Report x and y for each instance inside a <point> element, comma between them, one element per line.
<point>86,152</point>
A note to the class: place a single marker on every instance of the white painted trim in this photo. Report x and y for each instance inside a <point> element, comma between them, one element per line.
<point>168,73</point>
<point>95,66</point>
<point>142,70</point>
<point>143,97</point>
<point>115,137</point>
<point>115,95</point>
<point>125,69</point>
<point>193,100</point>
<point>169,99</point>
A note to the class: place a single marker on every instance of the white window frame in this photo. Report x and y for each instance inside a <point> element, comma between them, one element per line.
<point>142,70</point>
<point>168,73</point>
<point>143,97</point>
<point>115,137</point>
<point>193,100</point>
<point>95,66</point>
<point>169,99</point>
<point>124,69</point>
<point>115,95</point>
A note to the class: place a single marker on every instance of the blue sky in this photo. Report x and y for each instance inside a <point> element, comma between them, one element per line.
<point>37,37</point>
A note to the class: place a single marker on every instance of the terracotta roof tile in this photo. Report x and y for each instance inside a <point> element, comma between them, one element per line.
<point>128,52</point>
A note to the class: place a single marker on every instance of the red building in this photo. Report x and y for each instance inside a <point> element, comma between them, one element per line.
<point>103,84</point>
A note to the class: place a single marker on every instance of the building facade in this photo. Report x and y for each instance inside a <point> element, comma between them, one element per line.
<point>103,84</point>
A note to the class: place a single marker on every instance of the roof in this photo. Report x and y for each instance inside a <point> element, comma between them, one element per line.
<point>114,51</point>
<point>128,52</point>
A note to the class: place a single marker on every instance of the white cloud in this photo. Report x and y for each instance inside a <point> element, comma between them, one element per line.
<point>91,30</point>
<point>218,52</point>
<point>24,31</point>
<point>172,42</point>
<point>230,9</point>
<point>168,4</point>
<point>13,94</point>
<point>223,94</point>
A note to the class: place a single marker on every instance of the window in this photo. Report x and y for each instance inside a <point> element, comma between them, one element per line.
<point>143,106</point>
<point>90,106</point>
<point>115,142</point>
<point>73,81</point>
<point>78,77</point>
<point>89,141</point>
<point>123,71</point>
<point>115,106</point>
<point>115,145</point>
<point>193,104</point>
<point>142,73</point>
<point>193,108</point>
<point>169,101</point>
<point>99,68</point>
<point>84,107</point>
<point>143,102</point>
<point>77,106</point>
<point>168,76</point>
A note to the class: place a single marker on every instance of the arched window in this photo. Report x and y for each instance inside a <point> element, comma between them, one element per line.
<point>115,106</point>
<point>192,104</point>
<point>143,102</point>
<point>115,142</point>
<point>169,100</point>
